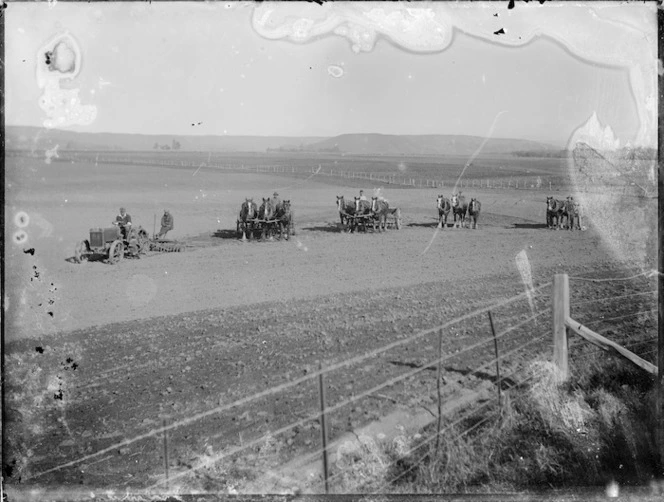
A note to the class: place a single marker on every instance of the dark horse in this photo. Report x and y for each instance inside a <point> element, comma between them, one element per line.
<point>380,209</point>
<point>362,208</point>
<point>444,208</point>
<point>248,213</point>
<point>556,210</point>
<point>474,209</point>
<point>459,209</point>
<point>346,209</point>
<point>284,218</point>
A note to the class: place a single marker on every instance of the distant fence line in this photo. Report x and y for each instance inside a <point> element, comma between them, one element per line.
<point>549,184</point>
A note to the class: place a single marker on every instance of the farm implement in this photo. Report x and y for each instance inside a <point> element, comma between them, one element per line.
<point>166,246</point>
<point>266,229</point>
<point>265,220</point>
<point>111,245</point>
<point>361,221</point>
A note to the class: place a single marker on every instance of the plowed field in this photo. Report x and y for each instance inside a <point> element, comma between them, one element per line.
<point>209,341</point>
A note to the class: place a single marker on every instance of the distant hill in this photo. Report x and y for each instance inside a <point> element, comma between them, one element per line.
<point>387,144</point>
<point>36,138</point>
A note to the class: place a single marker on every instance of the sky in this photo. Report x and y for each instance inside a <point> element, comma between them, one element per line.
<point>159,68</point>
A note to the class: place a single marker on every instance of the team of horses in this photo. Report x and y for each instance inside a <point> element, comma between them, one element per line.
<point>268,217</point>
<point>356,214</point>
<point>460,211</point>
<point>265,219</point>
<point>559,210</point>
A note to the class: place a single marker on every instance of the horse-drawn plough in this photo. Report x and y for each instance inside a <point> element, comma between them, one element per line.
<point>268,220</point>
<point>361,213</point>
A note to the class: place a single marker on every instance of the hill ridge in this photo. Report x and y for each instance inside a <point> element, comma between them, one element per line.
<point>36,138</point>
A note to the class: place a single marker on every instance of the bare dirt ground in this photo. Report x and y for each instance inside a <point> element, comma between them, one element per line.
<point>98,356</point>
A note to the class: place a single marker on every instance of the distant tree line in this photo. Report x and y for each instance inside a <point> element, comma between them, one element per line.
<point>548,154</point>
<point>304,148</point>
<point>625,153</point>
<point>175,145</point>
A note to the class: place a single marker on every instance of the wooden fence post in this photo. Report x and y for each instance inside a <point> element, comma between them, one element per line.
<point>659,413</point>
<point>495,345</point>
<point>323,429</point>
<point>438,377</point>
<point>166,452</point>
<point>560,314</point>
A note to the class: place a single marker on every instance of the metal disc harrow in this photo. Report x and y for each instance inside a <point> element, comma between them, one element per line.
<point>167,246</point>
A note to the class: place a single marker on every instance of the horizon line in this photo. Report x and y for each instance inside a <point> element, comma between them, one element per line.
<point>550,141</point>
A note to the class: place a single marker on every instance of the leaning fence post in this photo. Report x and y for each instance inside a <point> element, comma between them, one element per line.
<point>560,313</point>
<point>440,361</point>
<point>166,452</point>
<point>323,430</point>
<point>495,344</point>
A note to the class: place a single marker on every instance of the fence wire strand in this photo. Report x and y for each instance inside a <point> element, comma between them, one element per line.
<point>648,274</point>
<point>424,367</point>
<point>433,436</point>
<point>584,302</point>
<point>599,321</point>
<point>314,416</point>
<point>286,385</point>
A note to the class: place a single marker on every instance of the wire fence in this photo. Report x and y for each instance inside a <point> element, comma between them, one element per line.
<point>545,183</point>
<point>517,344</point>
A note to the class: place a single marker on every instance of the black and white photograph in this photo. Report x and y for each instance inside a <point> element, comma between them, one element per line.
<point>323,248</point>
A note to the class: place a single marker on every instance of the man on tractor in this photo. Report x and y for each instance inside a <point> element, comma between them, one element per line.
<point>123,220</point>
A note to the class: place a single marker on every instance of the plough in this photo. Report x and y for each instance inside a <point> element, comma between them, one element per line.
<point>164,246</point>
<point>353,220</point>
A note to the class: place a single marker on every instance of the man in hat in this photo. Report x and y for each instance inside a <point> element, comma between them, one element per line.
<point>123,220</point>
<point>276,201</point>
<point>362,196</point>
<point>166,224</point>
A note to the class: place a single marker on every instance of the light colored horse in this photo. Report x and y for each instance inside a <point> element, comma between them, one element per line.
<point>380,209</point>
<point>444,208</point>
<point>248,212</point>
<point>345,208</point>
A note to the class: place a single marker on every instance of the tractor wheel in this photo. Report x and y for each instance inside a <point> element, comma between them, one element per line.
<point>81,252</point>
<point>116,252</point>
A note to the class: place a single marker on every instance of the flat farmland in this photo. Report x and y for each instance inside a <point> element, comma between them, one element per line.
<point>98,356</point>
<point>439,168</point>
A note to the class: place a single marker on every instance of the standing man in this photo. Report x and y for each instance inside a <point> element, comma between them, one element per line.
<point>123,220</point>
<point>362,196</point>
<point>166,224</point>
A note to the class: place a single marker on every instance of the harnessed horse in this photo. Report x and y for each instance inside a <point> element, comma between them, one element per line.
<point>573,214</point>
<point>474,209</point>
<point>362,208</point>
<point>556,210</point>
<point>345,209</point>
<point>380,209</point>
<point>266,213</point>
<point>248,212</point>
<point>444,208</point>
<point>284,218</point>
<point>459,209</point>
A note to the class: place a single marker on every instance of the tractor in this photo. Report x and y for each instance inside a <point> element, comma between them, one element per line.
<point>112,243</point>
